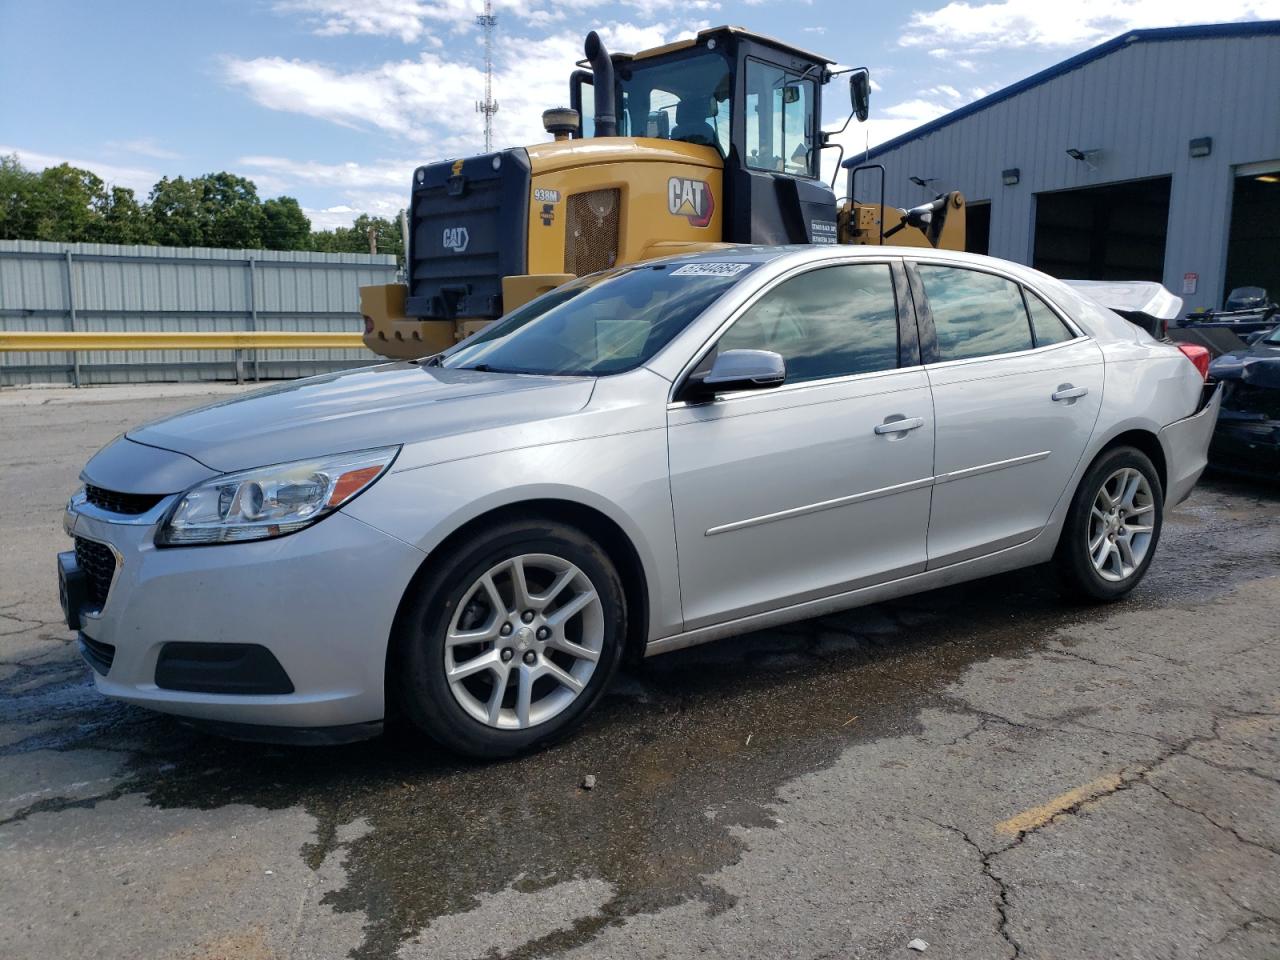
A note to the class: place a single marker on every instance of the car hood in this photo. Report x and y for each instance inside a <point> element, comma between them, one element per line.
<point>357,409</point>
<point>1259,365</point>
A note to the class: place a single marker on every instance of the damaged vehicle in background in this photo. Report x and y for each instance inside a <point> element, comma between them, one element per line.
<point>1247,439</point>
<point>650,457</point>
<point>1247,310</point>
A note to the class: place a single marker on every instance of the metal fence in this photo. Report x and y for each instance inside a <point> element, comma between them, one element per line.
<point>91,287</point>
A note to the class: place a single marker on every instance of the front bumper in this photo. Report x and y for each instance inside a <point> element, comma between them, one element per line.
<point>1186,445</point>
<point>321,601</point>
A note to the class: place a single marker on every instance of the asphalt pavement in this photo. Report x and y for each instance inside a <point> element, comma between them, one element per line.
<point>985,768</point>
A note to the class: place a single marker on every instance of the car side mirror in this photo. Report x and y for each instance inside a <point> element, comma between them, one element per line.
<point>860,93</point>
<point>737,370</point>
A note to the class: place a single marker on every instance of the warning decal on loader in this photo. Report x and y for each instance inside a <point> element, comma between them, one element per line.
<point>691,199</point>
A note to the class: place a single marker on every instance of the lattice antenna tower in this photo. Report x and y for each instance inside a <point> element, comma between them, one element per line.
<point>488,106</point>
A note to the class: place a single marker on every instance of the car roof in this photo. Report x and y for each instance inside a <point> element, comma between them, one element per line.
<point>797,253</point>
<point>1096,320</point>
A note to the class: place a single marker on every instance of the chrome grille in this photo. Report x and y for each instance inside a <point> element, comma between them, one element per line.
<point>99,566</point>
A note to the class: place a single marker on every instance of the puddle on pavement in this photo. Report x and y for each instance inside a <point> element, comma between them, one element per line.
<point>669,747</point>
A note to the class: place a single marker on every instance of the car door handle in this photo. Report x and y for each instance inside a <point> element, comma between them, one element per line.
<point>899,424</point>
<point>1067,392</point>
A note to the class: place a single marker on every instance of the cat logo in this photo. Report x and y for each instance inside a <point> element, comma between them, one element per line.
<point>691,199</point>
<point>456,239</point>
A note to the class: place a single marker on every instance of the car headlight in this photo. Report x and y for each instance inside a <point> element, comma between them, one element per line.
<point>271,501</point>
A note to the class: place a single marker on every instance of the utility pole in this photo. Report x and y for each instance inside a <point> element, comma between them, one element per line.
<point>488,106</point>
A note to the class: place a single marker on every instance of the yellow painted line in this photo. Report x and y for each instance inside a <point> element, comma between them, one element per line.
<point>1039,816</point>
<point>39,340</point>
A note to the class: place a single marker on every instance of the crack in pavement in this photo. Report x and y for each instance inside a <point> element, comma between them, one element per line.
<point>1001,901</point>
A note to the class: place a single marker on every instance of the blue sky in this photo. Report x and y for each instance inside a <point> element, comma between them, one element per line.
<point>335,101</point>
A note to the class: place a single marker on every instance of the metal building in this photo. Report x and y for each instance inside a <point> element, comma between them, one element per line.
<point>104,287</point>
<point>1154,156</point>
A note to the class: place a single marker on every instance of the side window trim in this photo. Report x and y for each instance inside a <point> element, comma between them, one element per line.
<point>909,339</point>
<point>924,316</point>
<point>700,355</point>
<point>929,353</point>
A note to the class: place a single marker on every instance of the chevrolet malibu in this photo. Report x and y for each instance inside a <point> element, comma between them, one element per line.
<point>643,459</point>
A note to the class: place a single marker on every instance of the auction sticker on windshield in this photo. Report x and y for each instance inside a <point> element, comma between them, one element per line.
<point>710,270</point>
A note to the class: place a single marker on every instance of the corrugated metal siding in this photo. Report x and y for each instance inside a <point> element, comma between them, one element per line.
<point>185,289</point>
<point>1140,106</point>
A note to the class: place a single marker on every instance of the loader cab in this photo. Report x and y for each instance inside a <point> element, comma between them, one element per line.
<point>756,101</point>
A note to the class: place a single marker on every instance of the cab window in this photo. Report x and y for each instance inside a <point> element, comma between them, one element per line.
<point>832,322</point>
<point>780,120</point>
<point>686,99</point>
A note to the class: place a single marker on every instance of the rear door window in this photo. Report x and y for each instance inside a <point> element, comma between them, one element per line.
<point>1046,326</point>
<point>975,314</point>
<point>832,322</point>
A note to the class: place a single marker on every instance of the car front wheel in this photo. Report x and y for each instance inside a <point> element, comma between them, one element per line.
<point>1113,526</point>
<point>513,641</point>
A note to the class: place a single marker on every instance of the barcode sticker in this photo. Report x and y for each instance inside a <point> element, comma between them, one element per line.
<point>717,269</point>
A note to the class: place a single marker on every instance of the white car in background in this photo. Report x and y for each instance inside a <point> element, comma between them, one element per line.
<point>647,458</point>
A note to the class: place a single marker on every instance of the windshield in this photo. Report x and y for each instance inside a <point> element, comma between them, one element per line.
<point>683,99</point>
<point>1273,336</point>
<point>606,323</point>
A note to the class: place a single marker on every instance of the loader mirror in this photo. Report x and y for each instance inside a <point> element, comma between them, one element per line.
<point>791,93</point>
<point>860,93</point>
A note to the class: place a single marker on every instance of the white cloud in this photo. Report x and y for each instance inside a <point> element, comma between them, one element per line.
<point>144,147</point>
<point>965,26</point>
<point>917,111</point>
<point>884,124</point>
<point>383,173</point>
<point>137,179</point>
<point>430,101</point>
<point>414,21</point>
<point>344,214</point>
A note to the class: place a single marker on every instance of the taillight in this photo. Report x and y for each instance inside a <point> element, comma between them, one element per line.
<point>1199,356</point>
<point>368,325</point>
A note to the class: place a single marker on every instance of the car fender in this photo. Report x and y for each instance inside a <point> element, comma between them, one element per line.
<point>623,477</point>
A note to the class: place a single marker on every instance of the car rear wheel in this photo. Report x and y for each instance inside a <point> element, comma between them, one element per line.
<point>1113,526</point>
<point>513,641</point>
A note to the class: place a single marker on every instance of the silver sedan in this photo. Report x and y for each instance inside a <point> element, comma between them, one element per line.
<point>647,458</point>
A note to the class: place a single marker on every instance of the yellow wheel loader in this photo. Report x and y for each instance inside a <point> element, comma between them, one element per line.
<point>694,145</point>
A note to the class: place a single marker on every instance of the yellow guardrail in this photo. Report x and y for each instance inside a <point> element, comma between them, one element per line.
<point>40,340</point>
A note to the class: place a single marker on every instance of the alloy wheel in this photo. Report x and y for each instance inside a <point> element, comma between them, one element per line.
<point>524,641</point>
<point>1121,524</point>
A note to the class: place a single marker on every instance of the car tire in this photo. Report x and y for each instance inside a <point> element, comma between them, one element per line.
<point>1112,527</point>
<point>536,667</point>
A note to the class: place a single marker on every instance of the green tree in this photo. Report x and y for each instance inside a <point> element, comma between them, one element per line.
<point>17,188</point>
<point>175,213</point>
<point>121,219</point>
<point>67,203</point>
<point>233,211</point>
<point>355,238</point>
<point>216,210</point>
<point>285,226</point>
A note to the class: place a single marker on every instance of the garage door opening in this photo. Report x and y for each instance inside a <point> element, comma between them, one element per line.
<point>1253,246</point>
<point>977,227</point>
<point>1115,232</point>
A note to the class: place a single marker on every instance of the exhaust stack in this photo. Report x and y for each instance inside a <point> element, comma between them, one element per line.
<point>602,83</point>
